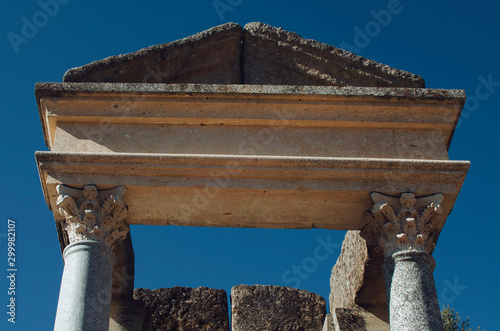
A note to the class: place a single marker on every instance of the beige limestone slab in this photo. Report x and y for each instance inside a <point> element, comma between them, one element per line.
<point>250,140</point>
<point>249,155</point>
<point>218,119</point>
<point>249,191</point>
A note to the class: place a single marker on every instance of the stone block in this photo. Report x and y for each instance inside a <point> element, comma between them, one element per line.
<point>271,56</point>
<point>353,319</point>
<point>309,156</point>
<point>275,308</point>
<point>349,320</point>
<point>128,314</point>
<point>184,309</point>
<point>357,296</point>
<point>123,269</point>
<point>277,57</point>
<point>328,324</point>
<point>211,56</point>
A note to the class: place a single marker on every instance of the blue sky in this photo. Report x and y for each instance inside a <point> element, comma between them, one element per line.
<point>452,44</point>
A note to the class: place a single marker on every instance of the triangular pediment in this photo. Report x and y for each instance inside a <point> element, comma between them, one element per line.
<point>255,54</point>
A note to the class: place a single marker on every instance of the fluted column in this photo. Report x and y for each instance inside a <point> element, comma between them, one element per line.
<point>405,231</point>
<point>94,221</point>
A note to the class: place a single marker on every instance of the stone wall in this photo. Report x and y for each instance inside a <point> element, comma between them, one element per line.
<point>276,308</point>
<point>253,308</point>
<point>184,309</point>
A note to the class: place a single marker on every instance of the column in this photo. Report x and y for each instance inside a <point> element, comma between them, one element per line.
<point>94,222</point>
<point>405,229</point>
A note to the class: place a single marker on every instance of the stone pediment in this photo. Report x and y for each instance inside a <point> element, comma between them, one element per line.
<point>255,54</point>
<point>252,127</point>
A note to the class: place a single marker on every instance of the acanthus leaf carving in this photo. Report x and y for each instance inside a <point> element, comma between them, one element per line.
<point>406,226</point>
<point>100,219</point>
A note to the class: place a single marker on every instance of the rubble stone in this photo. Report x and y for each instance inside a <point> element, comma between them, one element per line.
<point>275,308</point>
<point>185,309</point>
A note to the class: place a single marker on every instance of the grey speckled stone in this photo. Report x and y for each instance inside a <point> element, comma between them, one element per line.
<point>185,309</point>
<point>413,303</point>
<point>85,295</point>
<point>275,308</point>
<point>211,56</point>
<point>435,95</point>
<point>278,57</point>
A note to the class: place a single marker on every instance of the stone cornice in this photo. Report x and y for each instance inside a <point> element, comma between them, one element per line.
<point>324,193</point>
<point>44,90</point>
<point>93,215</point>
<point>404,224</point>
<point>316,106</point>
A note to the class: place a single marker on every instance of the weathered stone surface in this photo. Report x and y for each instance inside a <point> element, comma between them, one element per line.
<point>348,273</point>
<point>275,308</point>
<point>406,233</point>
<point>410,286</point>
<point>183,309</point>
<point>354,319</point>
<point>128,314</point>
<point>211,56</point>
<point>349,320</point>
<point>124,269</point>
<point>106,222</point>
<point>357,286</point>
<point>407,222</point>
<point>356,263</point>
<point>275,56</point>
<point>322,150</point>
<point>271,56</point>
<point>328,324</point>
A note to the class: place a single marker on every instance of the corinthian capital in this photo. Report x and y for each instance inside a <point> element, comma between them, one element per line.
<point>406,223</point>
<point>93,215</point>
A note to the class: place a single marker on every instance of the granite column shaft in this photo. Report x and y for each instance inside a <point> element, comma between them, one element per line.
<point>407,229</point>
<point>94,222</point>
<point>85,295</point>
<point>411,292</point>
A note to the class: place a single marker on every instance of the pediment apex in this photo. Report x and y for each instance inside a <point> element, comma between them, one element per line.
<point>256,54</point>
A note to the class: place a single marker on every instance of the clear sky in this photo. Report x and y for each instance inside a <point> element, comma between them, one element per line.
<point>452,44</point>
